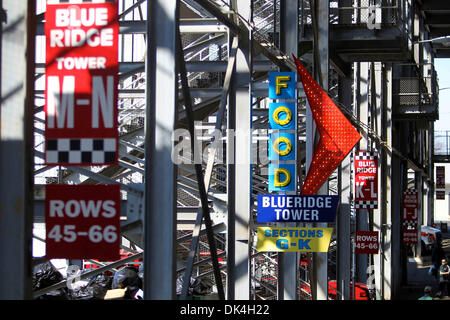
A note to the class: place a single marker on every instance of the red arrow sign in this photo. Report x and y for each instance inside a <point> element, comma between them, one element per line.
<point>337,135</point>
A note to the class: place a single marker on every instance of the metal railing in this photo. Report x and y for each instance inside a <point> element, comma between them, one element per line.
<point>359,13</point>
<point>415,85</point>
<point>442,143</point>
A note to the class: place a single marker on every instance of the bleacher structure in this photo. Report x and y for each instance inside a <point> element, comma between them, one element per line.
<point>369,56</point>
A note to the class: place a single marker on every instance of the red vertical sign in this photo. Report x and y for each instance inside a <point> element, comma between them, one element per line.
<point>366,180</point>
<point>366,242</point>
<point>81,84</point>
<point>410,216</point>
<point>82,221</point>
<point>440,194</point>
<point>440,177</point>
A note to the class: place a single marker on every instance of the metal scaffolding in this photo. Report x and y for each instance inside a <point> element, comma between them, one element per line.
<point>192,72</point>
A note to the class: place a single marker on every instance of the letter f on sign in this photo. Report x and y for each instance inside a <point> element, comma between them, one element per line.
<point>279,83</point>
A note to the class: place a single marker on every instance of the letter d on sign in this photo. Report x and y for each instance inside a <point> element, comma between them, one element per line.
<point>287,177</point>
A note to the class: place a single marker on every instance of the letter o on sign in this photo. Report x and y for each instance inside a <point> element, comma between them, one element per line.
<point>276,115</point>
<point>286,150</point>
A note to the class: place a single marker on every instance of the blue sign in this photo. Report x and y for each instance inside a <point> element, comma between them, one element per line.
<point>282,177</point>
<point>282,85</point>
<point>282,115</point>
<point>282,146</point>
<point>297,208</point>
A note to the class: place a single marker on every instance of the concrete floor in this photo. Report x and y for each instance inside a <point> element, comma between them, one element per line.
<point>418,276</point>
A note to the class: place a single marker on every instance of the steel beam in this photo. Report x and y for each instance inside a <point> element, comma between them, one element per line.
<point>289,38</point>
<point>203,185</point>
<point>139,27</point>
<point>431,178</point>
<point>160,171</point>
<point>388,201</point>
<point>380,211</point>
<point>319,287</point>
<point>343,231</point>
<point>418,179</point>
<point>16,148</point>
<point>239,171</point>
<point>191,66</point>
<point>362,215</point>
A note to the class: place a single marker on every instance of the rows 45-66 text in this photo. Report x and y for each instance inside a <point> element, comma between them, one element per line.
<point>95,233</point>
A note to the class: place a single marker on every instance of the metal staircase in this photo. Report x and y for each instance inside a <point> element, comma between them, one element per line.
<point>206,55</point>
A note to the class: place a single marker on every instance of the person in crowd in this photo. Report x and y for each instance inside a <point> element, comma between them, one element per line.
<point>437,254</point>
<point>427,294</point>
<point>444,277</point>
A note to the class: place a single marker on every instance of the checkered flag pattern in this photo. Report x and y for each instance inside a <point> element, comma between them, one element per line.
<point>411,191</point>
<point>410,225</point>
<point>366,204</point>
<point>78,151</point>
<point>365,155</point>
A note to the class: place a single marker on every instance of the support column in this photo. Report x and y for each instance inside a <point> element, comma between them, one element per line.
<point>431,182</point>
<point>16,148</point>
<point>419,187</point>
<point>362,214</point>
<point>287,261</point>
<point>343,217</point>
<point>425,207</point>
<point>387,199</point>
<point>160,171</point>
<point>392,263</point>
<point>319,283</point>
<point>378,213</point>
<point>239,170</point>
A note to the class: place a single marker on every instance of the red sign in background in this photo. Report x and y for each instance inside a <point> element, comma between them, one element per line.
<point>440,177</point>
<point>366,180</point>
<point>82,221</point>
<point>440,194</point>
<point>410,217</point>
<point>81,84</point>
<point>410,236</point>
<point>410,205</point>
<point>366,242</point>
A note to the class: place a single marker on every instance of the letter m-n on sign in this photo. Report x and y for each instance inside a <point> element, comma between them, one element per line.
<point>81,83</point>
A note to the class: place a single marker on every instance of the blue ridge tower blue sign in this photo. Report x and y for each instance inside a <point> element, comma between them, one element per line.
<point>297,208</point>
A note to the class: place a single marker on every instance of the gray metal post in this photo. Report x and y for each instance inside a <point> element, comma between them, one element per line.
<point>378,213</point>
<point>362,214</point>
<point>419,187</point>
<point>16,145</point>
<point>398,258</point>
<point>319,287</point>
<point>343,217</point>
<point>430,219</point>
<point>239,170</point>
<point>387,190</point>
<point>160,174</point>
<point>287,261</point>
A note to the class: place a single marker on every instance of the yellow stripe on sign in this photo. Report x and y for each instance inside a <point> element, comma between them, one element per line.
<point>294,239</point>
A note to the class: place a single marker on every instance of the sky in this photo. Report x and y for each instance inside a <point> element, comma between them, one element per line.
<point>442,67</point>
